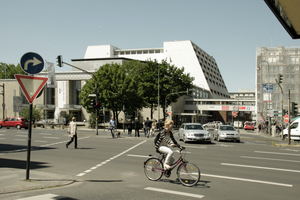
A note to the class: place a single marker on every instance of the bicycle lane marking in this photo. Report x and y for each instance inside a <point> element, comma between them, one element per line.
<point>110,159</point>
<point>174,192</point>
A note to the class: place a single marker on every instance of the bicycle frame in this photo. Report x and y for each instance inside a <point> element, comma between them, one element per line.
<point>174,165</point>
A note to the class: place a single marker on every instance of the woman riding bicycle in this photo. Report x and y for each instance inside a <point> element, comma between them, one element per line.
<point>165,140</point>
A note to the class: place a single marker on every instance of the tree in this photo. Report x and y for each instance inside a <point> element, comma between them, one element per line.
<point>7,71</point>
<point>171,79</point>
<point>36,113</point>
<point>117,86</point>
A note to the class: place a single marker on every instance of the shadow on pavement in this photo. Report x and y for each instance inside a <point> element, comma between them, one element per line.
<point>20,164</point>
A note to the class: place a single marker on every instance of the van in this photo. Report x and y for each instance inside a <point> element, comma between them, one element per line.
<point>295,131</point>
<point>237,124</point>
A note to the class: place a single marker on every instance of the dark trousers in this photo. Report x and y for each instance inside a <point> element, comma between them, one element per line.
<point>137,132</point>
<point>72,139</point>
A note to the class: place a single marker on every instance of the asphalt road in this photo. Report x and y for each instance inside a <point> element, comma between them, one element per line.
<point>113,168</point>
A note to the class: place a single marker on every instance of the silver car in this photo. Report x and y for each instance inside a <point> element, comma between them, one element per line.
<point>226,132</point>
<point>189,132</point>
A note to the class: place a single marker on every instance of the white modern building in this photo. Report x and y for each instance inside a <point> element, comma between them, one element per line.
<point>199,64</point>
<point>64,99</point>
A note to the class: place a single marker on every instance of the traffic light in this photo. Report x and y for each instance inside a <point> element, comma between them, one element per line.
<point>59,61</point>
<point>93,103</point>
<point>294,108</point>
<point>279,78</point>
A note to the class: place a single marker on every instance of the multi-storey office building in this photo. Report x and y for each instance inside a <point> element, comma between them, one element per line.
<point>270,62</point>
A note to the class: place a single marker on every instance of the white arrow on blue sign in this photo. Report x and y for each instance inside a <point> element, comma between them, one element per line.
<point>32,63</point>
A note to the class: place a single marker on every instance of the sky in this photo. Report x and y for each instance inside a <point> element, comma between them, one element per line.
<point>230,30</point>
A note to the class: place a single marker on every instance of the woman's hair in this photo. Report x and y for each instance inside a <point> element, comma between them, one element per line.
<point>73,118</point>
<point>168,123</point>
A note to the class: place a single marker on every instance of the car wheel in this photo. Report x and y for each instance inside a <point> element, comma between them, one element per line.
<point>18,127</point>
<point>238,141</point>
<point>0,126</point>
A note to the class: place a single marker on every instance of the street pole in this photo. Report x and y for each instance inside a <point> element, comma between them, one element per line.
<point>289,128</point>
<point>29,142</point>
<point>158,107</point>
<point>96,91</point>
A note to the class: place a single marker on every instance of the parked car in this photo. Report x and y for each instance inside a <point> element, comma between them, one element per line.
<point>226,132</point>
<point>295,131</point>
<point>18,122</point>
<point>189,132</point>
<point>249,126</point>
<point>213,124</point>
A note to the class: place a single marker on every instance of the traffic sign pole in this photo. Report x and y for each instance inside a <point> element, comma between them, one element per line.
<point>29,143</point>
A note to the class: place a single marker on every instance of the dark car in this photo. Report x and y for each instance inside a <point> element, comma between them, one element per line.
<point>18,122</point>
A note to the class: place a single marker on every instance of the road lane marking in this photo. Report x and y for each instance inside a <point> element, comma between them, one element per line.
<point>199,147</point>
<point>20,139</point>
<point>43,196</point>
<point>259,167</point>
<point>40,141</point>
<point>174,192</point>
<point>290,154</point>
<point>51,137</point>
<point>260,158</point>
<point>248,180</point>
<point>139,156</point>
<point>108,160</point>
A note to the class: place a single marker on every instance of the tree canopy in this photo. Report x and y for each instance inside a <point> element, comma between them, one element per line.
<point>7,71</point>
<point>135,85</point>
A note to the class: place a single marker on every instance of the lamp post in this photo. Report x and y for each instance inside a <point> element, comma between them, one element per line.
<point>158,106</point>
<point>269,95</point>
<point>96,91</point>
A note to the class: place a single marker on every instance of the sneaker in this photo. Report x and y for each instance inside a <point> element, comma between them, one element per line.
<point>167,167</point>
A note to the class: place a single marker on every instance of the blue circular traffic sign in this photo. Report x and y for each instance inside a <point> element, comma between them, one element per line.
<point>32,63</point>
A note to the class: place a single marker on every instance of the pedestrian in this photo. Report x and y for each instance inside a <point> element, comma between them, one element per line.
<point>259,128</point>
<point>112,126</point>
<point>129,127</point>
<point>148,124</point>
<point>153,127</point>
<point>136,127</point>
<point>72,130</point>
<point>144,128</point>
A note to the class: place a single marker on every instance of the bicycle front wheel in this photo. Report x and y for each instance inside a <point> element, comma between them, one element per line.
<point>153,169</point>
<point>188,174</point>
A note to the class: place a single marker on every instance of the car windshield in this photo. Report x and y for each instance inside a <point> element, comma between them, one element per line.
<point>24,120</point>
<point>249,124</point>
<point>226,128</point>
<point>194,127</point>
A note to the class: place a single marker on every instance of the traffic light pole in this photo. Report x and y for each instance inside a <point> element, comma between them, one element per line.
<point>96,90</point>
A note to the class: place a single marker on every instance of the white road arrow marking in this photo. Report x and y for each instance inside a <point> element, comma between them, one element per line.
<point>35,61</point>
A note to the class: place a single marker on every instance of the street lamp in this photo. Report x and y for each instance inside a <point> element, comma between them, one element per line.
<point>269,95</point>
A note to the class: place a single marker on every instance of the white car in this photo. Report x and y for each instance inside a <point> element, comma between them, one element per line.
<point>295,131</point>
<point>226,132</point>
<point>192,132</point>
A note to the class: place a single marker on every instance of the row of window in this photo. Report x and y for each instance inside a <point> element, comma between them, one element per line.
<point>134,52</point>
<point>245,103</point>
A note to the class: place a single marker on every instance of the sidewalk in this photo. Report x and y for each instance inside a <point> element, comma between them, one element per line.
<point>14,180</point>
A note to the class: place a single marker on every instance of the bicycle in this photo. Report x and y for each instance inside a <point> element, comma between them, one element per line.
<point>187,173</point>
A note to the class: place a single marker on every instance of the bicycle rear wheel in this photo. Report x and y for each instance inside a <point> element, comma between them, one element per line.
<point>188,174</point>
<point>153,169</point>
